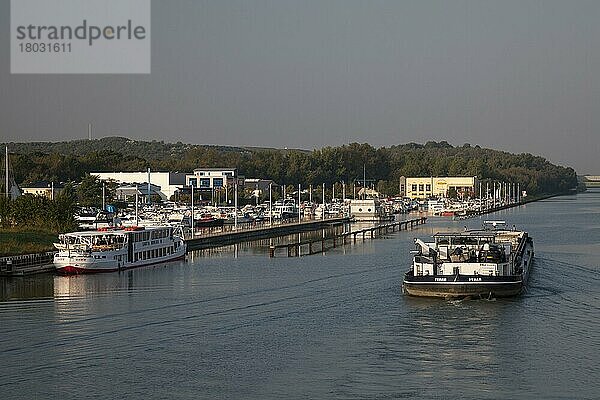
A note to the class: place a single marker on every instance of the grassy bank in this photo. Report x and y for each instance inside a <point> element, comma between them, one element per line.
<point>21,241</point>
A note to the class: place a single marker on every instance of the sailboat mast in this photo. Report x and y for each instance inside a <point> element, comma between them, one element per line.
<point>6,183</point>
<point>364,181</point>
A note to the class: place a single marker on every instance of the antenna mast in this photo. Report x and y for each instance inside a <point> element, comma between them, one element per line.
<point>7,183</point>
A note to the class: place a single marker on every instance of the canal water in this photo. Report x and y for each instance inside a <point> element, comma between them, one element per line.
<point>235,324</point>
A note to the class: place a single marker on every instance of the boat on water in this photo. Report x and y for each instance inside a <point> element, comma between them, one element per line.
<point>115,249</point>
<point>370,210</point>
<point>490,262</point>
<point>206,220</point>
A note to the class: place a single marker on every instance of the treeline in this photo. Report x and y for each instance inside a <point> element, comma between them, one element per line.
<point>40,212</point>
<point>70,161</point>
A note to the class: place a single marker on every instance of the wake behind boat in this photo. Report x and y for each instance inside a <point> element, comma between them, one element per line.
<point>107,249</point>
<point>490,262</point>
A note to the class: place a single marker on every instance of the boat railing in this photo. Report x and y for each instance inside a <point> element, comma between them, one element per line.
<point>73,246</point>
<point>420,258</point>
<point>107,247</point>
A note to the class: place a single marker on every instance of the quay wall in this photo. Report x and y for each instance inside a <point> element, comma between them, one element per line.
<point>522,202</point>
<point>233,237</point>
<point>27,264</point>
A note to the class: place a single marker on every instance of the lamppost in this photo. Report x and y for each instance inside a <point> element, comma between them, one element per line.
<point>299,199</point>
<point>137,200</point>
<point>270,204</point>
<point>323,212</point>
<point>236,205</point>
<point>192,222</point>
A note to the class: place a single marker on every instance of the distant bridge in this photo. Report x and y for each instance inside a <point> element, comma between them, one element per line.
<point>591,180</point>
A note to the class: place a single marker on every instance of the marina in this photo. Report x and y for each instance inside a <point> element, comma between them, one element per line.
<point>211,232</point>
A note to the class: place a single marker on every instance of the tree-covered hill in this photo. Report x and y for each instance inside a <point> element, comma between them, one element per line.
<point>151,150</point>
<point>70,161</point>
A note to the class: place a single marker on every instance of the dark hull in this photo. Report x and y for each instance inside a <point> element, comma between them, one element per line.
<point>72,270</point>
<point>463,286</point>
<point>209,223</point>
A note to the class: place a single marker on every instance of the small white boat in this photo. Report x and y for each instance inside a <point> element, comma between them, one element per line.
<point>369,210</point>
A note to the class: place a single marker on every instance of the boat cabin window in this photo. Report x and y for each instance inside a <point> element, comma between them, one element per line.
<point>464,241</point>
<point>160,233</point>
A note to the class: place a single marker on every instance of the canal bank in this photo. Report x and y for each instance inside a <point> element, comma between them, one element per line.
<point>512,205</point>
<point>233,237</point>
<point>27,264</point>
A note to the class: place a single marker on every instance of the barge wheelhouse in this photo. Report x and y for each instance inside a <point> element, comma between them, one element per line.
<point>490,262</point>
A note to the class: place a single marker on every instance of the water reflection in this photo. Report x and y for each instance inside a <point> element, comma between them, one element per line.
<point>82,285</point>
<point>27,287</point>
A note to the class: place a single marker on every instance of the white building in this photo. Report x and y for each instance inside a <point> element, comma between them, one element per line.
<point>168,182</point>
<point>128,192</point>
<point>210,178</point>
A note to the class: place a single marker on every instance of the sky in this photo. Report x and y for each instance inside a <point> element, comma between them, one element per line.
<point>520,76</point>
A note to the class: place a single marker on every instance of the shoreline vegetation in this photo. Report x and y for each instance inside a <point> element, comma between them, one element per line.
<point>20,241</point>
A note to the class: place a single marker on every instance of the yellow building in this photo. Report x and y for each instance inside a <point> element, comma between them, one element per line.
<point>43,188</point>
<point>421,188</point>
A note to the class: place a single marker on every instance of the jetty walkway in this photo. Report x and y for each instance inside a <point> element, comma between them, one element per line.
<point>211,239</point>
<point>27,264</point>
<point>314,246</point>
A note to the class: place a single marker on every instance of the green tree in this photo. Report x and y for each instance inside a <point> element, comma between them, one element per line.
<point>89,191</point>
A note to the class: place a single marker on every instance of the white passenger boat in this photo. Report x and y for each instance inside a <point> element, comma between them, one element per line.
<point>107,249</point>
<point>490,262</point>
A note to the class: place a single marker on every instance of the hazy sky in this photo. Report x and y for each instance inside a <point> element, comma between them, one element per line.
<point>522,76</point>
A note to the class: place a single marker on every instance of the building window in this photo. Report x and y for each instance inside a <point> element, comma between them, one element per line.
<point>428,187</point>
<point>421,187</point>
<point>218,182</point>
<point>194,182</point>
<point>414,187</point>
<point>204,182</point>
